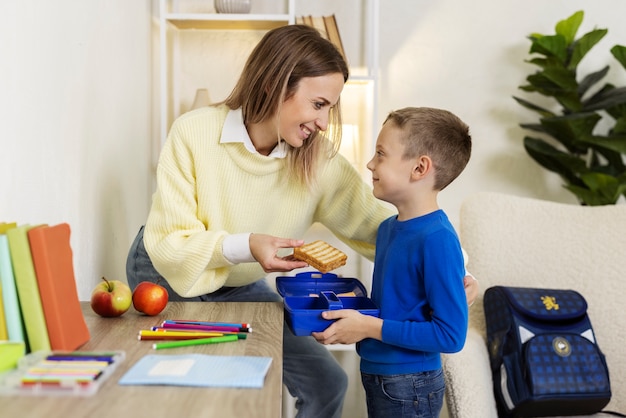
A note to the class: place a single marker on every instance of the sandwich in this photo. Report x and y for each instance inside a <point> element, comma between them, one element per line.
<point>320,255</point>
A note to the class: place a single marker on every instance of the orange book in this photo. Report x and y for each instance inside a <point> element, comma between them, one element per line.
<point>53,261</point>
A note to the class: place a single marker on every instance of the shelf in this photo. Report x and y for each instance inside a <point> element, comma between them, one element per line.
<point>218,21</point>
<point>361,79</point>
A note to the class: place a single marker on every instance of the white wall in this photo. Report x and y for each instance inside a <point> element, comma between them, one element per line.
<point>75,108</point>
<point>77,104</point>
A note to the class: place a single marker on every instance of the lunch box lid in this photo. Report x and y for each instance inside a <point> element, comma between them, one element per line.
<point>310,283</point>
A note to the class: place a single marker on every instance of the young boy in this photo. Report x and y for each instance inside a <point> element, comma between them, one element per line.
<point>418,269</point>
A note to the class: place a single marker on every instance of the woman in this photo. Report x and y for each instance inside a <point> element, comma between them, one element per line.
<point>235,179</point>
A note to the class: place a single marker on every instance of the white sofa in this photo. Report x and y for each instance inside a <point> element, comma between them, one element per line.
<point>527,242</point>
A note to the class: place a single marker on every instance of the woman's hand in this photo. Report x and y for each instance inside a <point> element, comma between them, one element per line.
<point>471,289</point>
<point>264,249</point>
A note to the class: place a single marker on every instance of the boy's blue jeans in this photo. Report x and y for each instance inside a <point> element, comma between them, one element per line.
<point>418,395</point>
<point>310,372</point>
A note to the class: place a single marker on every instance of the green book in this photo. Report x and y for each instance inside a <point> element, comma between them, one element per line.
<point>27,289</point>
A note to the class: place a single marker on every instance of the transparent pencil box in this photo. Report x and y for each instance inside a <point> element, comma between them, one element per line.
<point>51,373</point>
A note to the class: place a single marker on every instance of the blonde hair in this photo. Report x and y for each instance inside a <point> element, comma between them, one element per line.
<point>271,75</point>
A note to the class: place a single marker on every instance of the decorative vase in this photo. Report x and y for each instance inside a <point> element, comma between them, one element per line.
<point>201,99</point>
<point>233,6</point>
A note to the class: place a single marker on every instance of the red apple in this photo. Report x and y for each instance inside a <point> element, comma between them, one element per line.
<point>111,298</point>
<point>150,298</point>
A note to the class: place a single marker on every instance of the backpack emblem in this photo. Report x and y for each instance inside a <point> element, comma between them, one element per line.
<point>561,346</point>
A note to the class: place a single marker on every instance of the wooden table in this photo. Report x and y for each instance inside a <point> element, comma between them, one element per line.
<point>113,400</point>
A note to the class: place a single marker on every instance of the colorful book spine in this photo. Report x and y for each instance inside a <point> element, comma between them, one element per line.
<point>4,334</point>
<point>12,312</point>
<point>28,289</point>
<point>54,267</point>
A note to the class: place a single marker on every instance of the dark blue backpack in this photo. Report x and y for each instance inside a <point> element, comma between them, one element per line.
<point>543,352</point>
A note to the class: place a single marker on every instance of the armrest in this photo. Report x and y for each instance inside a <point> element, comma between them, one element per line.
<point>469,386</point>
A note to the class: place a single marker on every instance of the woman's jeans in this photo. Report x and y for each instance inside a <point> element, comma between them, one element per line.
<point>418,395</point>
<point>310,372</point>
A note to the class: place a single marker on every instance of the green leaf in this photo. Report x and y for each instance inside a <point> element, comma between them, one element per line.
<point>543,84</point>
<point>590,80</point>
<point>562,77</point>
<point>567,28</point>
<point>565,165</point>
<point>551,46</point>
<point>607,188</point>
<point>568,129</point>
<point>619,52</point>
<point>543,112</point>
<point>537,127</point>
<point>607,97</point>
<point>589,197</point>
<point>615,143</point>
<point>584,45</point>
<point>620,126</point>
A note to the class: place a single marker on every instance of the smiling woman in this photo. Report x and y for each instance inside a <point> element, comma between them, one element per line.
<point>240,181</point>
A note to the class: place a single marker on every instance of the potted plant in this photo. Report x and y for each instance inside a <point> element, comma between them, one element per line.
<point>591,163</point>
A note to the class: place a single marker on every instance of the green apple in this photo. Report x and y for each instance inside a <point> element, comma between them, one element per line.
<point>111,298</point>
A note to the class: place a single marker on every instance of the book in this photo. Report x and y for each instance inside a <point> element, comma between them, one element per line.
<point>54,268</point>
<point>10,353</point>
<point>198,370</point>
<point>4,334</point>
<point>326,26</point>
<point>28,289</point>
<point>332,31</point>
<point>12,312</point>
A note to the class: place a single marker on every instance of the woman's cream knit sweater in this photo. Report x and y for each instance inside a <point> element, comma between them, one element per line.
<point>206,190</point>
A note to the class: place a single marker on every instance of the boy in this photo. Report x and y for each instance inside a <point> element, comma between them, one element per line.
<point>418,269</point>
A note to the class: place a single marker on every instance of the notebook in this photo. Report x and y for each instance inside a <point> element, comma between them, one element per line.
<point>198,370</point>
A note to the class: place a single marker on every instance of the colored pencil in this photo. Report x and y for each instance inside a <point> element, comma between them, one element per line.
<point>191,330</point>
<point>146,335</point>
<point>208,323</point>
<point>204,328</point>
<point>163,332</point>
<point>201,341</point>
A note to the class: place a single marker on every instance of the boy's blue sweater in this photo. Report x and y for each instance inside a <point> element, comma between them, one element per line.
<point>418,286</point>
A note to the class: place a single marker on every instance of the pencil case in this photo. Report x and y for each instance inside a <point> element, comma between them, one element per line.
<point>306,295</point>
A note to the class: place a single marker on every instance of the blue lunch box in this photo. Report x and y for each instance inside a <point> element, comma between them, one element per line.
<point>306,295</point>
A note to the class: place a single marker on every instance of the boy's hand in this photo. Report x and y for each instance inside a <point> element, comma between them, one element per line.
<point>351,327</point>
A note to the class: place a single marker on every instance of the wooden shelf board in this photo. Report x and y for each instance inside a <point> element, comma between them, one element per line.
<point>217,21</point>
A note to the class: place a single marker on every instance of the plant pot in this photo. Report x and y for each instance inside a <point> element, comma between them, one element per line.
<point>233,6</point>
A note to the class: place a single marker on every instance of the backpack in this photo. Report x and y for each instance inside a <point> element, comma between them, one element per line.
<point>543,353</point>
